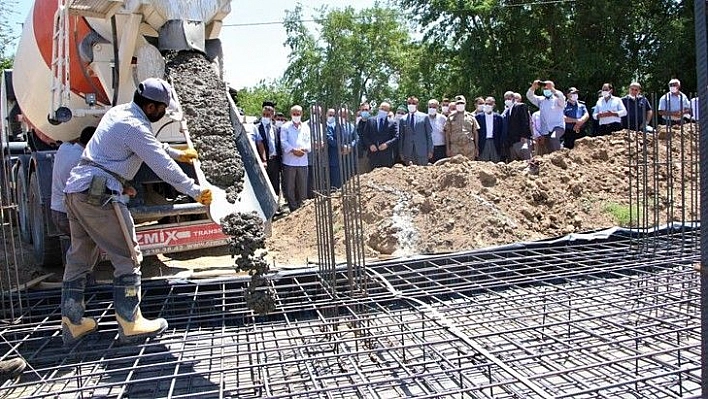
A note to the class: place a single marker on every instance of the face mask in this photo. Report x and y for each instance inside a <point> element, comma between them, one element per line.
<point>488,108</point>
<point>460,107</point>
<point>547,93</point>
<point>632,96</point>
<point>508,103</point>
<point>330,120</point>
<point>573,97</point>
<point>265,120</point>
<point>412,108</point>
<point>383,114</point>
<point>445,109</point>
<point>605,94</point>
<point>432,111</point>
<point>296,119</point>
<point>673,89</point>
<point>480,107</point>
<point>365,115</point>
<point>391,119</point>
<point>279,123</point>
<point>399,116</point>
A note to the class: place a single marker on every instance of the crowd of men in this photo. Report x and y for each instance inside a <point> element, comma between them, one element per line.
<point>383,137</point>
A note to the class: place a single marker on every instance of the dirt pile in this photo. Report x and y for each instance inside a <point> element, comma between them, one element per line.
<point>462,205</point>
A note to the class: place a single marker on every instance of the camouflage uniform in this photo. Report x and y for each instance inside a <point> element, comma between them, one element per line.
<point>461,134</point>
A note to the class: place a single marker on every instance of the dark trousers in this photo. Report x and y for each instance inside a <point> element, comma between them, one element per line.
<point>439,152</point>
<point>274,167</point>
<point>608,129</point>
<point>381,158</point>
<point>570,136</point>
<point>295,185</point>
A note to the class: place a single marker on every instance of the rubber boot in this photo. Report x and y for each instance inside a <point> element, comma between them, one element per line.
<point>74,325</point>
<point>132,326</point>
<point>11,369</point>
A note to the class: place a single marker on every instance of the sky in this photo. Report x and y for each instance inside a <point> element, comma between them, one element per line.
<point>251,53</point>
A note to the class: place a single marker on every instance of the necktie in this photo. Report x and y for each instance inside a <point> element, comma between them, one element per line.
<point>411,121</point>
<point>381,124</point>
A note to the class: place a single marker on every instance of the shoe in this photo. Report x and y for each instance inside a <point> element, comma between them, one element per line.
<point>74,325</point>
<point>132,326</point>
<point>11,369</point>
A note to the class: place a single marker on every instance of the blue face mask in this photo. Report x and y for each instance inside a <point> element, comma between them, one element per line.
<point>365,114</point>
<point>548,93</point>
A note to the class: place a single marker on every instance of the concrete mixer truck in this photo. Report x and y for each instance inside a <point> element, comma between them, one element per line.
<point>76,59</point>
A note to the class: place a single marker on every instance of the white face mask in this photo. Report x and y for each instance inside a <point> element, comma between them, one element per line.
<point>265,120</point>
<point>383,114</point>
<point>391,119</point>
<point>605,94</point>
<point>673,89</point>
<point>432,111</point>
<point>480,107</point>
<point>399,117</point>
<point>279,123</point>
<point>573,97</point>
<point>330,120</point>
<point>412,108</point>
<point>508,103</point>
<point>296,119</point>
<point>460,107</point>
<point>445,109</point>
<point>488,108</point>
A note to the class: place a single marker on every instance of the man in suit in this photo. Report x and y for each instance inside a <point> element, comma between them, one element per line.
<point>341,141</point>
<point>518,134</point>
<point>416,141</point>
<point>266,136</point>
<point>379,137</point>
<point>491,129</point>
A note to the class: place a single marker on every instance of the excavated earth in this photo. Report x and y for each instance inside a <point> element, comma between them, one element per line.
<point>463,205</point>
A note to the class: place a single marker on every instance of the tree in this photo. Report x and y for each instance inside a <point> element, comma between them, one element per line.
<point>7,8</point>
<point>359,55</point>
<point>498,45</point>
<point>251,99</point>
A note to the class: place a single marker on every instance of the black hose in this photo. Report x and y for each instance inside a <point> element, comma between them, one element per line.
<point>116,62</point>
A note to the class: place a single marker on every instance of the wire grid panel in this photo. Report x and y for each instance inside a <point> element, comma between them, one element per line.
<point>567,324</point>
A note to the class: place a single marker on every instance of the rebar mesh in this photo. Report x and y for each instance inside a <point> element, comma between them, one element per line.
<point>580,319</point>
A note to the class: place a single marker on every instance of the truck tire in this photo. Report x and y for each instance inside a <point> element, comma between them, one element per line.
<point>46,250</point>
<point>21,196</point>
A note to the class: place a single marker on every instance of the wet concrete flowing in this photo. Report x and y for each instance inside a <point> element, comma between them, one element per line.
<point>202,95</point>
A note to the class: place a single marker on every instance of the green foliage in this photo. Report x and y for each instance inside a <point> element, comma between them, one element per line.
<point>7,8</point>
<point>624,215</point>
<point>251,99</point>
<point>499,45</point>
<point>366,54</point>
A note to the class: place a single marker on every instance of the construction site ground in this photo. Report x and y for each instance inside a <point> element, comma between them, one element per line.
<point>462,205</point>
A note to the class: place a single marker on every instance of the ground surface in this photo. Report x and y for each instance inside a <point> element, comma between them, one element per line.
<point>462,205</point>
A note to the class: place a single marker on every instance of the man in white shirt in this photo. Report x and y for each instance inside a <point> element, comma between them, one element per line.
<point>437,121</point>
<point>609,111</point>
<point>295,140</point>
<point>551,104</point>
<point>674,104</point>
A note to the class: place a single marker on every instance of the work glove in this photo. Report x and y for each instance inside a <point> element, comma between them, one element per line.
<point>188,155</point>
<point>204,197</point>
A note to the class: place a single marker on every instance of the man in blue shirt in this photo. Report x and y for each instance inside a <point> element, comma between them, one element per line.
<point>575,115</point>
<point>639,111</point>
<point>674,104</point>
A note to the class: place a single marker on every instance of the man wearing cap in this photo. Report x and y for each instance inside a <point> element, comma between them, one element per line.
<point>551,104</point>
<point>416,140</point>
<point>576,114</point>
<point>639,111</point>
<point>461,131</point>
<point>517,128</point>
<point>98,215</point>
<point>674,104</point>
<point>609,111</point>
<point>267,139</point>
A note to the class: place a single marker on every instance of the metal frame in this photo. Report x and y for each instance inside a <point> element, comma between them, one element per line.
<point>580,319</point>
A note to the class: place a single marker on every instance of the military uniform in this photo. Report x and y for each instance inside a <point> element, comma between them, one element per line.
<point>461,134</point>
